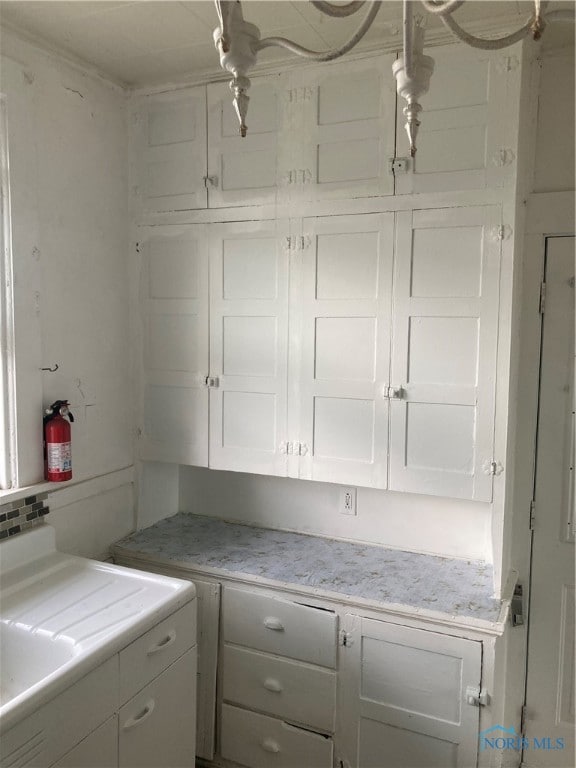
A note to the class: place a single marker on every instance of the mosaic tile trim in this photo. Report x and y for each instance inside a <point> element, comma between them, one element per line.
<point>23,514</point>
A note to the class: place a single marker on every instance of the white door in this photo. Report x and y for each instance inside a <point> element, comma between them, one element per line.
<point>249,346</point>
<point>247,170</point>
<point>463,142</point>
<point>168,152</point>
<point>339,400</point>
<point>550,707</point>
<point>174,322</point>
<point>346,136</point>
<point>403,697</point>
<point>444,343</point>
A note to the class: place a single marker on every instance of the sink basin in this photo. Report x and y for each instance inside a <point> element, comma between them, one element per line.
<point>61,616</point>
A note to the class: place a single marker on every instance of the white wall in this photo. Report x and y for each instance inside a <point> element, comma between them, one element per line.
<point>68,173</point>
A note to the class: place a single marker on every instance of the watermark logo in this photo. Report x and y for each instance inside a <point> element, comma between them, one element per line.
<point>500,737</point>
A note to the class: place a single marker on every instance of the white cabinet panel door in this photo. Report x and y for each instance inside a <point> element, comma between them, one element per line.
<point>340,397</point>
<point>463,142</point>
<point>403,697</point>
<point>444,352</point>
<point>169,151</point>
<point>246,171</point>
<point>248,346</point>
<point>174,301</point>
<point>347,133</point>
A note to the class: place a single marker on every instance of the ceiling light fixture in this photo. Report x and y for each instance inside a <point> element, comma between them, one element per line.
<point>238,43</point>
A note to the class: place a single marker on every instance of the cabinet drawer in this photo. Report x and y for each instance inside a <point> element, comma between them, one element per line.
<point>278,626</point>
<point>263,742</point>
<point>288,689</point>
<point>146,657</point>
<point>157,727</point>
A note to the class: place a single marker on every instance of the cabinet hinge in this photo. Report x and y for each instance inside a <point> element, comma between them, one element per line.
<point>532,514</point>
<point>342,763</point>
<point>212,382</point>
<point>297,243</point>
<point>477,697</point>
<point>523,718</point>
<point>492,467</point>
<point>517,607</point>
<point>542,298</point>
<point>398,165</point>
<point>501,232</point>
<point>210,182</point>
<point>345,638</point>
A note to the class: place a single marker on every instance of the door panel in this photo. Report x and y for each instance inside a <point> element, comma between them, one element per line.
<point>444,352</point>
<point>341,404</point>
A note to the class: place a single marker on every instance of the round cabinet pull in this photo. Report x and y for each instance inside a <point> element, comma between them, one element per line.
<point>141,717</point>
<point>166,642</point>
<point>273,685</point>
<point>270,745</point>
<point>271,622</point>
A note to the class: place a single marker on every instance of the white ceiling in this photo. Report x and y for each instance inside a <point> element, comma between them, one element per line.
<point>151,42</point>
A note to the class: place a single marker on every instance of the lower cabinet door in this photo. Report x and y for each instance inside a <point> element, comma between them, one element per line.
<point>157,726</point>
<point>403,697</point>
<point>258,741</point>
<point>98,750</point>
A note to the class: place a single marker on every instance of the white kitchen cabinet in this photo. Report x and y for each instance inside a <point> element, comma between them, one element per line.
<point>174,320</point>
<point>249,273</point>
<point>208,601</point>
<point>339,405</point>
<point>446,301</point>
<point>98,750</point>
<point>403,697</point>
<point>168,168</point>
<point>463,141</point>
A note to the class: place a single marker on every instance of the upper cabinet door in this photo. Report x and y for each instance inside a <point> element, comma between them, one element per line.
<point>464,142</point>
<point>174,302</point>
<point>345,341</point>
<point>248,346</point>
<point>246,171</point>
<point>347,133</point>
<point>169,152</point>
<point>444,352</point>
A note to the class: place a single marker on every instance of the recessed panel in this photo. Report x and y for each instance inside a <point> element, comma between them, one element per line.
<point>170,413</point>
<point>249,346</point>
<point>346,98</point>
<point>173,264</point>
<point>250,268</point>
<point>171,124</point>
<point>249,420</point>
<point>176,176</point>
<point>458,84</point>
<point>354,160</point>
<point>447,262</point>
<point>451,149</point>
<point>343,429</point>
<point>248,170</point>
<point>262,114</point>
<point>443,350</point>
<point>381,744</point>
<point>171,342</point>
<point>412,679</point>
<point>347,266</point>
<point>440,436</point>
<point>345,348</point>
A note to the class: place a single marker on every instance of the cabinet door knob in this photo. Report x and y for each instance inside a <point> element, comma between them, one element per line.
<point>140,717</point>
<point>273,685</point>
<point>270,745</point>
<point>271,622</point>
<point>166,642</point>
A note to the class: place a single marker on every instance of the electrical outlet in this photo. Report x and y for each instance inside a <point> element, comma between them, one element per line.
<point>348,501</point>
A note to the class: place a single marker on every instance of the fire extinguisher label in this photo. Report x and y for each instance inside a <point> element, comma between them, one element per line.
<point>59,457</point>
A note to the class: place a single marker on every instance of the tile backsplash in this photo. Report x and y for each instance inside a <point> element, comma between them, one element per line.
<point>18,516</point>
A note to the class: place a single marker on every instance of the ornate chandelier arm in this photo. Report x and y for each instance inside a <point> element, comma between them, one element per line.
<point>533,25</point>
<point>282,42</point>
<point>339,11</point>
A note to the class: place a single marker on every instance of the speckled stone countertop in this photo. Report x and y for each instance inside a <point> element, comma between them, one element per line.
<point>438,587</point>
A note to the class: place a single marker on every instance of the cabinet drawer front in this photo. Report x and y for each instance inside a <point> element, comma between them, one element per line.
<point>157,727</point>
<point>278,626</point>
<point>146,657</point>
<point>263,742</point>
<point>296,692</point>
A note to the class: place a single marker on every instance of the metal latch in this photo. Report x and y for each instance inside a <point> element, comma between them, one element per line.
<point>517,607</point>
<point>345,638</point>
<point>476,697</point>
<point>213,382</point>
<point>398,165</point>
<point>211,182</point>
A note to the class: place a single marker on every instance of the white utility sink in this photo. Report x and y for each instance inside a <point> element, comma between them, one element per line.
<point>62,615</point>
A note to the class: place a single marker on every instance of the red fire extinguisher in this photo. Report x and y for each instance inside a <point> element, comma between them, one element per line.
<point>57,443</point>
